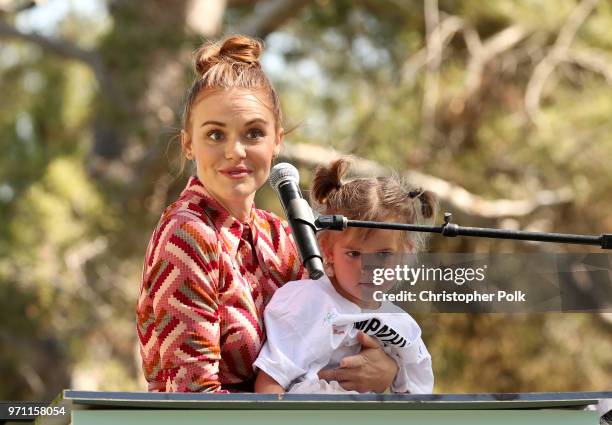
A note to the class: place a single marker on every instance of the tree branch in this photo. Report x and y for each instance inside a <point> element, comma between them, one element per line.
<point>592,60</point>
<point>205,17</point>
<point>451,196</point>
<point>482,53</point>
<point>447,28</point>
<point>70,51</point>
<point>434,58</point>
<point>58,47</point>
<point>556,54</point>
<point>270,15</point>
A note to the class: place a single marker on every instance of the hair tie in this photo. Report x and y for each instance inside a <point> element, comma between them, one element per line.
<point>415,193</point>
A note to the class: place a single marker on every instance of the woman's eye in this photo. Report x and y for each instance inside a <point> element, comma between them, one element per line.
<point>255,133</point>
<point>384,254</point>
<point>215,135</point>
<point>353,254</point>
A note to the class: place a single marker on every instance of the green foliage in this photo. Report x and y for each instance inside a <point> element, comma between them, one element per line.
<point>84,170</point>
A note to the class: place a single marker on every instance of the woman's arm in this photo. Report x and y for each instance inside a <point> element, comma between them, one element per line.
<point>177,311</point>
<point>370,370</point>
<point>266,384</point>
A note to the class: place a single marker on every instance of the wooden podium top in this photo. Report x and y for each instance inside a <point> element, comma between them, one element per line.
<point>140,400</point>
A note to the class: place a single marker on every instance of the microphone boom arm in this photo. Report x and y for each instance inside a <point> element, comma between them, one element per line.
<point>339,222</point>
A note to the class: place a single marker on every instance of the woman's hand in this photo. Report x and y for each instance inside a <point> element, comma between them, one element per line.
<point>370,370</point>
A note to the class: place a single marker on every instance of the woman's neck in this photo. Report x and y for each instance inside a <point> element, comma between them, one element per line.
<point>239,208</point>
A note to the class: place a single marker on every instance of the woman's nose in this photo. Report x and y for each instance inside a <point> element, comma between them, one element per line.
<point>235,149</point>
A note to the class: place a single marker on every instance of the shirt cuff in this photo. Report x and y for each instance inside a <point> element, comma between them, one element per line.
<point>281,369</point>
<point>413,377</point>
<point>401,383</point>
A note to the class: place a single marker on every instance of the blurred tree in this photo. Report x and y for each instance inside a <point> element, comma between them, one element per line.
<point>506,103</point>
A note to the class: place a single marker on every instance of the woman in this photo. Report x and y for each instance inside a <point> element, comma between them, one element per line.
<point>214,260</point>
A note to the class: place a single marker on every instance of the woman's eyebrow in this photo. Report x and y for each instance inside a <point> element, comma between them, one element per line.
<point>253,121</point>
<point>219,123</point>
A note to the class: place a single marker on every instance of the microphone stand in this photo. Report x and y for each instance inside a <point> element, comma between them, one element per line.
<point>339,222</point>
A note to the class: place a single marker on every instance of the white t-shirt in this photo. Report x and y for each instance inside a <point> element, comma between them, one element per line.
<point>309,327</point>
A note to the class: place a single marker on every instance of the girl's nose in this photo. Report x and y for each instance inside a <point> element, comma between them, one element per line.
<point>366,273</point>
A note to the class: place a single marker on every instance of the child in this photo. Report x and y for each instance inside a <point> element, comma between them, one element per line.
<point>313,325</point>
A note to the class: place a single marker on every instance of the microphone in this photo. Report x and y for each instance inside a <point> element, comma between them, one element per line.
<point>285,179</point>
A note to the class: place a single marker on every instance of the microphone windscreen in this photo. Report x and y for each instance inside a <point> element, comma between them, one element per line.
<point>281,172</point>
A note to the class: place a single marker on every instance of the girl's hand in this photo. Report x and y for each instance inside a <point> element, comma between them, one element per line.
<point>370,370</point>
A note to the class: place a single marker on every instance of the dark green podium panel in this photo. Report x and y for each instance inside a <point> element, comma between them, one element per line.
<point>116,408</point>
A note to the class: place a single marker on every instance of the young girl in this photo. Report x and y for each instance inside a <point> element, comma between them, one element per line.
<point>313,325</point>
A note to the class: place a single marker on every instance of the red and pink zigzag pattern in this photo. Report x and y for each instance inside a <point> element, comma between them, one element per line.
<point>206,280</point>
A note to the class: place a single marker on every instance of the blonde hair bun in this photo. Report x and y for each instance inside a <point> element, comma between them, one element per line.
<point>233,49</point>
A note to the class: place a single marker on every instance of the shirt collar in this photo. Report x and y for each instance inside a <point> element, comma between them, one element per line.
<point>228,226</point>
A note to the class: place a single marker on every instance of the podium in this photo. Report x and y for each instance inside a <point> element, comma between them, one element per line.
<point>129,408</point>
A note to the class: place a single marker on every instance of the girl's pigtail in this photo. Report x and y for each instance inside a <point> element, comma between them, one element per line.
<point>425,204</point>
<point>327,180</point>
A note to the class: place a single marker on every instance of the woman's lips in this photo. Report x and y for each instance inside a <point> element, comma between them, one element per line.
<point>236,172</point>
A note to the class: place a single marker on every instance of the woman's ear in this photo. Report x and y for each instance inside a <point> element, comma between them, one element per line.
<point>186,144</point>
<point>280,139</point>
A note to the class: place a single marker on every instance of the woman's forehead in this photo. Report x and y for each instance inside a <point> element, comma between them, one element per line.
<point>234,103</point>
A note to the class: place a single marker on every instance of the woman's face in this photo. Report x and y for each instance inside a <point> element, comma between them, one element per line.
<point>346,254</point>
<point>232,137</point>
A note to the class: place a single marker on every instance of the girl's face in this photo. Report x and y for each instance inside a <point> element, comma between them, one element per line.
<point>233,138</point>
<point>345,253</point>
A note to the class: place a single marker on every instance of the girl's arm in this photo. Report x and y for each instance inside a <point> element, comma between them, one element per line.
<point>295,345</point>
<point>266,384</point>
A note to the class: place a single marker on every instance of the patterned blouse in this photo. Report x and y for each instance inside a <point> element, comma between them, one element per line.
<point>206,280</point>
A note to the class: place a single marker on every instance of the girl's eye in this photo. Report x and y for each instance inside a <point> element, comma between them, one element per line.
<point>384,254</point>
<point>215,135</point>
<point>353,254</point>
<point>255,133</point>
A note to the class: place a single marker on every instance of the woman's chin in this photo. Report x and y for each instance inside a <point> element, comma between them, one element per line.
<point>244,190</point>
<point>241,190</point>
<point>241,187</point>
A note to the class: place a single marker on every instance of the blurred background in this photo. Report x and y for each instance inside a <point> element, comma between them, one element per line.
<point>503,108</point>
